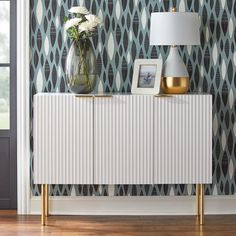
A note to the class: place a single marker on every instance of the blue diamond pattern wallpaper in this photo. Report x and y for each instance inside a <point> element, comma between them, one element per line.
<point>125,37</point>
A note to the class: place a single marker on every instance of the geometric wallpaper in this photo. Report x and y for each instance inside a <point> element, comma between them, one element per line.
<point>124,37</point>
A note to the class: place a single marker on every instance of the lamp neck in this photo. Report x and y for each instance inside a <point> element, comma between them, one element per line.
<point>174,65</point>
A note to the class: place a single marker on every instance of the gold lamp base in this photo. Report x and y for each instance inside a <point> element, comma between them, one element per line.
<point>175,85</point>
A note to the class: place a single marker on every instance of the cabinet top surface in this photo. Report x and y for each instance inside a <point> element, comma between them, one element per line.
<point>118,94</point>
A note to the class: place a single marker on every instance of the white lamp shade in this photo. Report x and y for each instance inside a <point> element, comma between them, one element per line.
<point>175,28</point>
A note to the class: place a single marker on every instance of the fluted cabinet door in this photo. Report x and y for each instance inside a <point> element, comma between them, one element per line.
<point>123,140</point>
<point>183,139</point>
<point>63,139</point>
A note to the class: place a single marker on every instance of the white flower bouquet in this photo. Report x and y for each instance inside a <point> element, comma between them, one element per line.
<point>82,24</point>
<point>80,27</point>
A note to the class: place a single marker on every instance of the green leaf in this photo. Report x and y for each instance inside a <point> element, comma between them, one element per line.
<point>66,19</point>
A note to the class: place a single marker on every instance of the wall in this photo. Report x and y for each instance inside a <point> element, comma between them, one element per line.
<point>126,36</point>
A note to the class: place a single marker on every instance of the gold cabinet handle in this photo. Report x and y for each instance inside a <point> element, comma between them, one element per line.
<point>94,96</point>
<point>163,96</point>
<point>103,96</point>
<point>84,96</point>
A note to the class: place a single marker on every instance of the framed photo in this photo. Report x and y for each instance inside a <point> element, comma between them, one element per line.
<point>147,76</point>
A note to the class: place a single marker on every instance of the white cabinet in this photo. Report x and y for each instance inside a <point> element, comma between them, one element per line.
<point>183,139</point>
<point>123,139</point>
<point>63,139</point>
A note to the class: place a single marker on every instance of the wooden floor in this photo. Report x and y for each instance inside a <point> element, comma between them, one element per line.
<point>11,224</point>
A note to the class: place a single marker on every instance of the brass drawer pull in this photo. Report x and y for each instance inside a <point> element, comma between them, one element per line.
<point>163,96</point>
<point>84,96</point>
<point>103,96</point>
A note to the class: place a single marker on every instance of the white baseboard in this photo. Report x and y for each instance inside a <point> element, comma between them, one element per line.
<point>171,205</point>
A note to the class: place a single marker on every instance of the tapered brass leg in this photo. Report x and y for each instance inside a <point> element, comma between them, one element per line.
<point>43,204</point>
<point>46,200</point>
<point>201,204</point>
<point>197,200</point>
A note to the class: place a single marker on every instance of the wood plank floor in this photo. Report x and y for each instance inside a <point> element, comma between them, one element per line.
<point>11,224</point>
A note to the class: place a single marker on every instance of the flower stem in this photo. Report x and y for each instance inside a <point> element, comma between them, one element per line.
<point>82,52</point>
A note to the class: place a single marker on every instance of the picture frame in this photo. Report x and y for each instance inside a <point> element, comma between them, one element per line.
<point>147,76</point>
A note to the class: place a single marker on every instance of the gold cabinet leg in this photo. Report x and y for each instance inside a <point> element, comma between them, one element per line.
<point>46,200</point>
<point>43,204</point>
<point>202,204</point>
<point>197,200</point>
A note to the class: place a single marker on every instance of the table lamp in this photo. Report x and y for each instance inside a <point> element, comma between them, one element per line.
<point>174,28</point>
